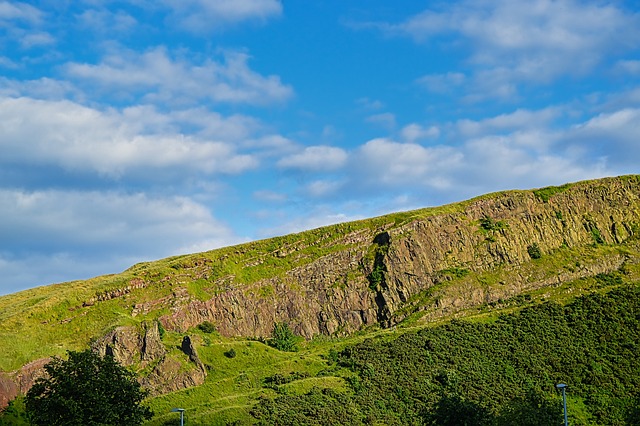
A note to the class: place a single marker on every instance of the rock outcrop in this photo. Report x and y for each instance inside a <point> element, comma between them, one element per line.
<point>20,381</point>
<point>379,271</point>
<point>131,347</point>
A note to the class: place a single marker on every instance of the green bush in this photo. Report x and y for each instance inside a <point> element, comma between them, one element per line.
<point>207,327</point>
<point>282,338</point>
<point>534,251</point>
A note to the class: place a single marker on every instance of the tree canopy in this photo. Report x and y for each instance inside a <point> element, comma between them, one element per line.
<point>87,390</point>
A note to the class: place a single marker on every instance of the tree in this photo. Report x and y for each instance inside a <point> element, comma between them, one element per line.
<point>282,338</point>
<point>86,390</point>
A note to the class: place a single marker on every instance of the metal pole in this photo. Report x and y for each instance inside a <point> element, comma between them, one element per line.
<point>181,411</point>
<point>563,387</point>
<point>182,416</point>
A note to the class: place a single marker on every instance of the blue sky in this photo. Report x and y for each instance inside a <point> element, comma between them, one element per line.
<point>135,130</point>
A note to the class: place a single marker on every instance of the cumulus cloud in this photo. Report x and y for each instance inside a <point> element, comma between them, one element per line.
<point>385,119</point>
<point>77,138</point>
<point>315,159</point>
<point>442,83</point>
<point>104,20</point>
<point>612,136</point>
<point>23,24</point>
<point>204,16</point>
<point>389,163</point>
<point>414,132</point>
<point>513,43</point>
<point>19,11</point>
<point>97,231</point>
<point>322,188</point>
<point>156,76</point>
<point>519,119</point>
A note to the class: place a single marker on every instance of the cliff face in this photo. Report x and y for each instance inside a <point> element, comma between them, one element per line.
<point>340,279</point>
<point>380,270</point>
<point>131,347</point>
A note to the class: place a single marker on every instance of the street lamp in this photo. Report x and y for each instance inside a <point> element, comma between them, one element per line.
<point>563,387</point>
<point>181,411</point>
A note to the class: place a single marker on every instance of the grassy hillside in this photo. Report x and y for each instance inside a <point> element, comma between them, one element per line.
<point>569,313</point>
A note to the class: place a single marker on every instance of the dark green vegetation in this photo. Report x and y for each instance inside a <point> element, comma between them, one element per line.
<point>498,372</point>
<point>282,338</point>
<point>86,390</point>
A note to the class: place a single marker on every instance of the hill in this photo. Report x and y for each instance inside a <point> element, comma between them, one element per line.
<point>334,286</point>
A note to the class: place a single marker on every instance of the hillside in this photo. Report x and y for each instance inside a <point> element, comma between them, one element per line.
<point>334,286</point>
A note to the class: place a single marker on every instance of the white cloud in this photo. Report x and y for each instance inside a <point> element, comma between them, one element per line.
<point>18,11</point>
<point>385,119</point>
<point>442,83</point>
<point>112,143</point>
<point>370,104</point>
<point>42,88</point>
<point>414,132</point>
<point>514,43</point>
<point>629,67</point>
<point>314,217</point>
<point>383,161</point>
<point>322,188</point>
<point>519,119</point>
<point>614,136</point>
<point>93,231</point>
<point>269,196</point>
<point>203,16</point>
<point>315,159</point>
<point>160,78</point>
<point>106,21</point>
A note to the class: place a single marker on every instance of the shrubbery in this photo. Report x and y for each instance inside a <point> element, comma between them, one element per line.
<point>504,371</point>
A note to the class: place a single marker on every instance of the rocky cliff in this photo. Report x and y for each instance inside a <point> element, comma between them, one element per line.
<point>378,271</point>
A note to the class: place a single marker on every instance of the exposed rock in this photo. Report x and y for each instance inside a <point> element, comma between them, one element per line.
<point>152,347</point>
<point>20,381</point>
<point>170,375</point>
<point>129,346</point>
<point>332,295</point>
<point>188,348</point>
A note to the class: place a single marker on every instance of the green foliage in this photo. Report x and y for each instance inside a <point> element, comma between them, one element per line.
<point>231,353</point>
<point>379,251</point>
<point>545,194</point>
<point>15,414</point>
<point>455,272</point>
<point>532,409</point>
<point>488,224</point>
<point>86,390</point>
<point>282,338</point>
<point>597,236</point>
<point>280,379</point>
<point>317,407</point>
<point>376,277</point>
<point>534,251</point>
<point>497,373</point>
<point>207,327</point>
<point>453,410</point>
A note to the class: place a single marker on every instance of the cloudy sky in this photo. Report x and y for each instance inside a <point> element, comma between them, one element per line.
<point>138,129</point>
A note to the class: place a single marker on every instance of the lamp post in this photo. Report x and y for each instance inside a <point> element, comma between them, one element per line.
<point>181,411</point>
<point>563,387</point>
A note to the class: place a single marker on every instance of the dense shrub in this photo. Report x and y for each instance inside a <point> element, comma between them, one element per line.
<point>207,327</point>
<point>282,338</point>
<point>505,370</point>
